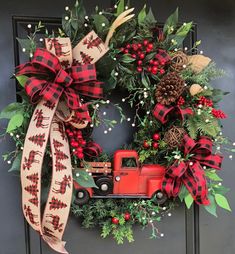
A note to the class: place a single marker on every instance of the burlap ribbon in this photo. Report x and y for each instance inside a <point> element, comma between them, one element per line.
<point>49,82</point>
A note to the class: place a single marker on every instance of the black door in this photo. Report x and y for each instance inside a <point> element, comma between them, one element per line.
<point>190,232</point>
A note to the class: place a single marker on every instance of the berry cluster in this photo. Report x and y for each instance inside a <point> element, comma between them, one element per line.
<point>156,137</point>
<point>139,51</point>
<point>126,216</point>
<point>180,101</point>
<point>217,113</point>
<point>205,102</point>
<point>76,141</point>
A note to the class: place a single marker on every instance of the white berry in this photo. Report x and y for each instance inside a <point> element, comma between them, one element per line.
<point>66,8</point>
<point>29,25</point>
<point>66,18</point>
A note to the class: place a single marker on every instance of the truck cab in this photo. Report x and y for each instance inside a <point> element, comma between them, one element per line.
<point>127,179</point>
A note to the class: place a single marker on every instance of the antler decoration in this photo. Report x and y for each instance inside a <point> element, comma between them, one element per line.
<point>121,19</point>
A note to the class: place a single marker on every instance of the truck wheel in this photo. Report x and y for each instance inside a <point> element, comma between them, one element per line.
<point>82,197</point>
<point>159,198</point>
<point>105,186</point>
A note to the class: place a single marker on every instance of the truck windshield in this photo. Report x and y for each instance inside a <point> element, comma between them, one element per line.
<point>129,163</point>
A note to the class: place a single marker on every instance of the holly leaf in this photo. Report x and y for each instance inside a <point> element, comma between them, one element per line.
<point>212,207</point>
<point>222,202</point>
<point>171,21</point>
<point>84,179</point>
<point>10,110</point>
<point>15,122</point>
<point>142,15</point>
<point>16,163</point>
<point>22,79</point>
<point>188,200</point>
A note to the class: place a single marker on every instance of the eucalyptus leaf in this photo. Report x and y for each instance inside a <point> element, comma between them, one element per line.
<point>171,21</point>
<point>9,111</point>
<point>15,122</point>
<point>212,207</point>
<point>222,202</point>
<point>16,163</point>
<point>84,179</point>
<point>22,79</point>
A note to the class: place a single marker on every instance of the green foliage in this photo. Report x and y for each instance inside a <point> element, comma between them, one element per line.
<point>98,21</point>
<point>222,202</point>
<point>16,163</point>
<point>171,22</point>
<point>15,122</point>
<point>142,15</point>
<point>212,207</point>
<point>83,178</point>
<point>10,110</point>
<point>22,80</point>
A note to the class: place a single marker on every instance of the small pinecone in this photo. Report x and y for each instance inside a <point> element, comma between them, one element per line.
<point>178,61</point>
<point>169,88</point>
<point>174,136</point>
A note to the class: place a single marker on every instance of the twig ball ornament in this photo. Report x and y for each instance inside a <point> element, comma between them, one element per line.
<point>169,88</point>
<point>174,136</point>
<point>198,63</point>
<point>179,61</point>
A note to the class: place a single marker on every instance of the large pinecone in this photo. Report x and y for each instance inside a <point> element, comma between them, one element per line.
<point>169,88</point>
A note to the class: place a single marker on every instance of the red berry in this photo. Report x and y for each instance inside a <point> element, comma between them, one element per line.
<point>142,56</point>
<point>80,155</point>
<point>128,46</point>
<point>151,61</point>
<point>155,145</point>
<point>145,42</point>
<point>79,150</point>
<point>139,69</point>
<point>149,69</point>
<point>139,62</point>
<point>150,46</point>
<point>154,68</point>
<point>122,49</point>
<point>145,144</point>
<point>154,72</point>
<point>126,51</point>
<point>148,50</point>
<point>139,45</point>
<point>162,71</point>
<point>83,142</point>
<point>155,63</point>
<point>75,144</point>
<point>162,62</point>
<point>127,216</point>
<point>135,47</point>
<point>115,220</point>
<point>156,136</point>
<point>70,134</point>
<point>133,55</point>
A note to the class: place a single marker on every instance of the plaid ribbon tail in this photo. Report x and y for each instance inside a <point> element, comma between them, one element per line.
<point>92,149</point>
<point>52,92</point>
<point>57,245</point>
<point>92,89</point>
<point>29,69</point>
<point>33,87</point>
<point>171,186</point>
<point>184,112</point>
<point>195,181</point>
<point>212,161</point>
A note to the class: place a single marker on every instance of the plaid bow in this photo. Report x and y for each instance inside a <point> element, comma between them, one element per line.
<point>161,112</point>
<point>49,81</point>
<point>162,56</point>
<point>190,172</point>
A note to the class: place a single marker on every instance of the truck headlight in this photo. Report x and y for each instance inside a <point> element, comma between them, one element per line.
<point>117,178</point>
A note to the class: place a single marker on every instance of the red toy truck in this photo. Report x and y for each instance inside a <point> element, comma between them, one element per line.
<point>127,179</point>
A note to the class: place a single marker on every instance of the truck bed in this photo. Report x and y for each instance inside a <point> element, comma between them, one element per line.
<point>98,167</point>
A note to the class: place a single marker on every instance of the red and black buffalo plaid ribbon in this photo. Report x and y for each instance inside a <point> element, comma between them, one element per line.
<point>190,172</point>
<point>162,56</point>
<point>49,81</point>
<point>161,112</point>
<point>92,149</point>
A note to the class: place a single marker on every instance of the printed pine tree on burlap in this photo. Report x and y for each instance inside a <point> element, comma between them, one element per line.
<point>60,155</point>
<point>86,59</point>
<point>32,189</point>
<point>33,178</point>
<point>55,203</point>
<point>59,166</point>
<point>38,139</point>
<point>34,201</point>
<point>57,144</point>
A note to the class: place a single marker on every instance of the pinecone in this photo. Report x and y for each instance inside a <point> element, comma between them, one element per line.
<point>174,136</point>
<point>179,61</point>
<point>169,88</point>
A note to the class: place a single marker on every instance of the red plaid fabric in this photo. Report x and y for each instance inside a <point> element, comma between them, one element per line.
<point>161,112</point>
<point>92,149</point>
<point>190,173</point>
<point>162,56</point>
<point>74,81</point>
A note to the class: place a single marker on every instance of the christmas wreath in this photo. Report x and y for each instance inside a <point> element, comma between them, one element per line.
<point>65,88</point>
